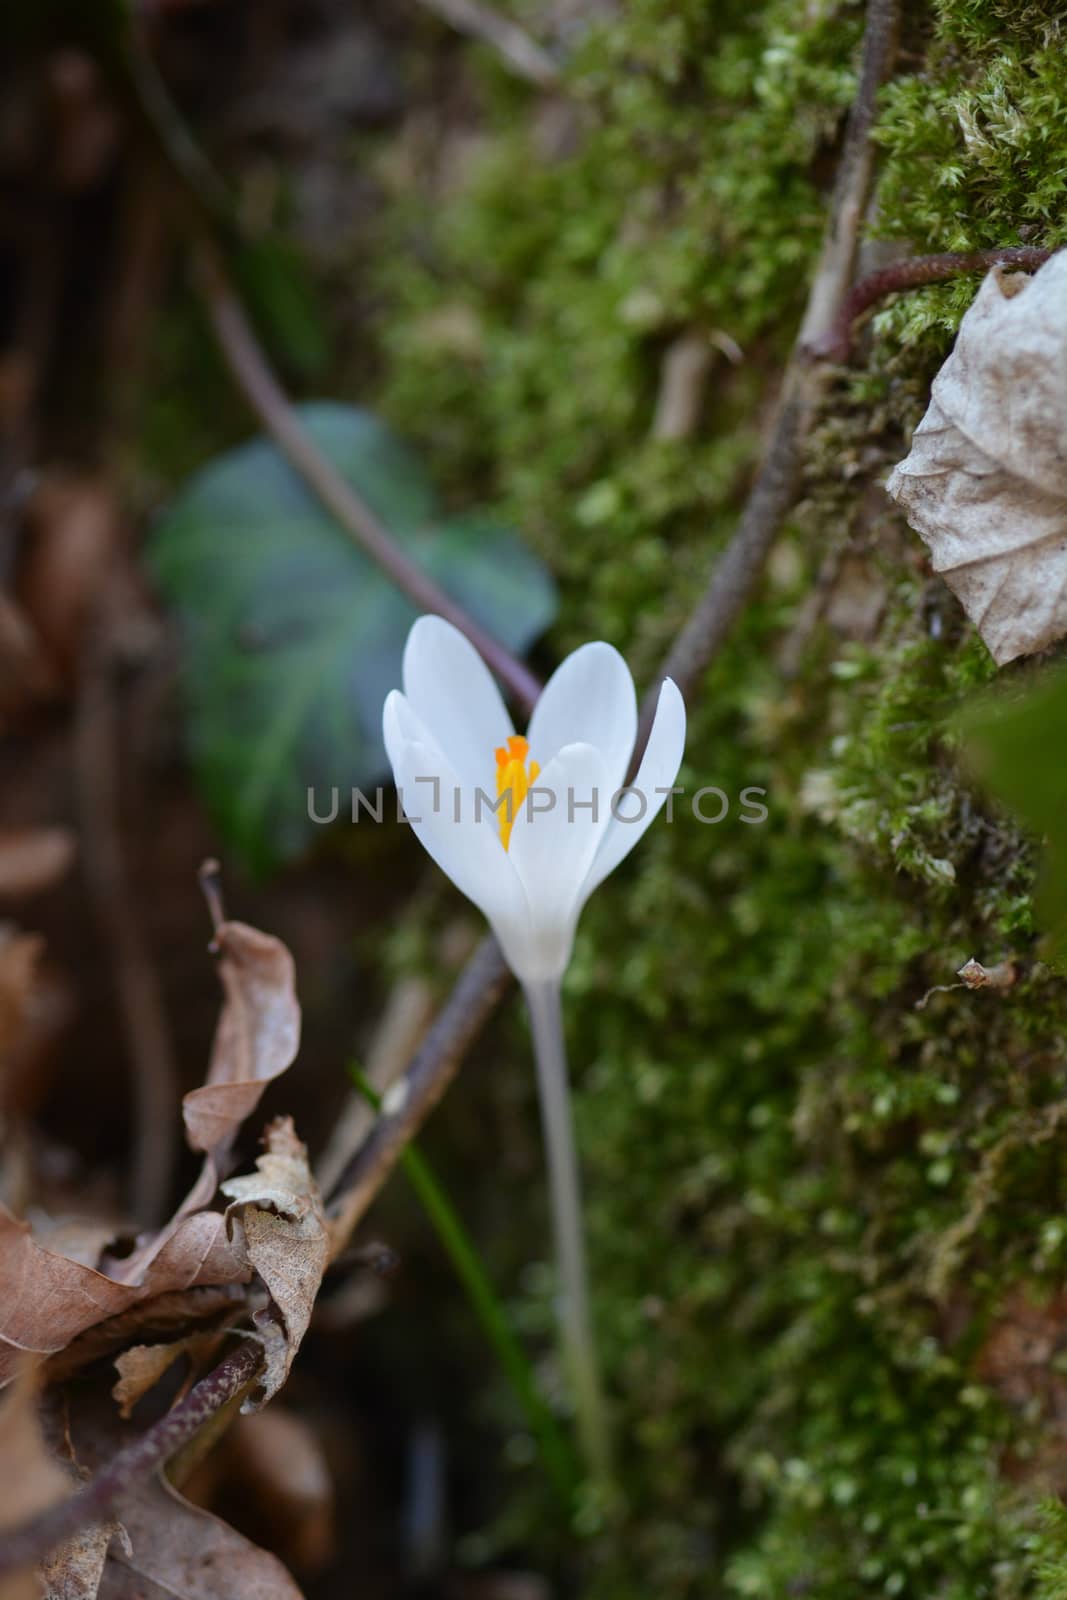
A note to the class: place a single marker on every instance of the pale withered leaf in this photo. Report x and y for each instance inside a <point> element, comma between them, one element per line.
<point>277,1224</point>
<point>985,484</point>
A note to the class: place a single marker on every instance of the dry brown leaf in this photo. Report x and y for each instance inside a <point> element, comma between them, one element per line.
<point>30,1480</point>
<point>257,1037</point>
<point>165,1315</point>
<point>280,1466</point>
<point>278,1226</point>
<point>33,859</point>
<point>74,1570</point>
<point>141,1366</point>
<point>48,1300</point>
<point>179,1552</point>
<point>985,484</point>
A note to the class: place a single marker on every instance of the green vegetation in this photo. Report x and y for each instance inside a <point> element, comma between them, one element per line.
<point>818,1213</point>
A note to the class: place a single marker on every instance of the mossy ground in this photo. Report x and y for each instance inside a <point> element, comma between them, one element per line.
<point>816,1211</point>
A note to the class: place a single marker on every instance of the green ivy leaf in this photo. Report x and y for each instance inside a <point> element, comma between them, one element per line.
<point>293,637</point>
<point>1015,744</point>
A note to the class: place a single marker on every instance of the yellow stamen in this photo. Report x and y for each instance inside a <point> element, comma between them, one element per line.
<point>513,777</point>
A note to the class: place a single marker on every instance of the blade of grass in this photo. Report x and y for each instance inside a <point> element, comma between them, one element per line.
<point>555,1450</point>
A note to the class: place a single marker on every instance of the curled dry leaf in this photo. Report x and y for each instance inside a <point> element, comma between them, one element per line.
<point>48,1299</point>
<point>165,1316</point>
<point>985,484</point>
<point>279,1229</point>
<point>171,1550</point>
<point>141,1366</point>
<point>178,1552</point>
<point>257,1037</point>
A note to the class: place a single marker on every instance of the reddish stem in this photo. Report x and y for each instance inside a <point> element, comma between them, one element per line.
<point>249,365</point>
<point>912,274</point>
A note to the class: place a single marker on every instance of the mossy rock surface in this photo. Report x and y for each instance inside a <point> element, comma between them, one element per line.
<point>827,1225</point>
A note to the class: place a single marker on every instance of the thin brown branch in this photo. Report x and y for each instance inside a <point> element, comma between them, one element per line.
<point>153,1068</point>
<point>514,46</point>
<point>485,978</point>
<point>249,366</point>
<point>912,274</point>
<point>741,563</point>
<point>481,985</point>
<point>94,1503</point>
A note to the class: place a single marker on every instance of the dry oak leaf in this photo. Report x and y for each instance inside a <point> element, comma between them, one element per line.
<point>985,484</point>
<point>278,1227</point>
<point>257,1037</point>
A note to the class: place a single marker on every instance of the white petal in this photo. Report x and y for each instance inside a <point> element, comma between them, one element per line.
<point>658,770</point>
<point>552,851</point>
<point>453,691</point>
<point>589,699</point>
<point>401,725</point>
<point>468,850</point>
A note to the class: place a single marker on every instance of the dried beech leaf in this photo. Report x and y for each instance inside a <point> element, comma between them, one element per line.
<point>278,1225</point>
<point>31,1479</point>
<point>257,1037</point>
<point>49,1299</point>
<point>985,484</point>
<point>179,1552</point>
<point>162,1316</point>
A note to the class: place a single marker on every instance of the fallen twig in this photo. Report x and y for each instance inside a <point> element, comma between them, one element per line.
<point>522,54</point>
<point>484,979</point>
<point>482,983</point>
<point>836,344</point>
<point>250,367</point>
<point>30,1543</point>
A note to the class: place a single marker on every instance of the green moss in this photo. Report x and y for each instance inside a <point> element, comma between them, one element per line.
<point>811,1202</point>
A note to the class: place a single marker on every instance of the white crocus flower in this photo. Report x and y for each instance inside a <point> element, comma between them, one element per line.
<point>561,824</point>
<point>532,863</point>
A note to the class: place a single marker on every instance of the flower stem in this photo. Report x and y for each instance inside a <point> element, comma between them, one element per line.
<point>579,1351</point>
<point>555,1449</point>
